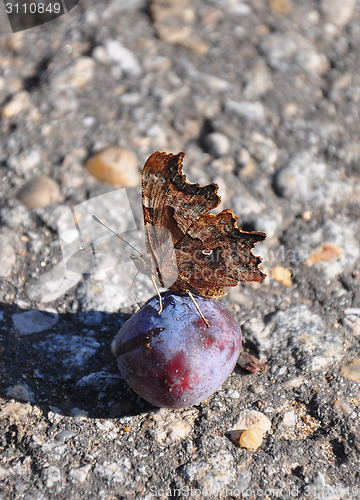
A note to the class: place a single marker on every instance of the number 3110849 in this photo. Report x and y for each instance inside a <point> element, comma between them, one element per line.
<point>32,8</point>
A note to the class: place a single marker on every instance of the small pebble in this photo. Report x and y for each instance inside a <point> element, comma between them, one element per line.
<point>290,52</point>
<point>251,439</point>
<point>76,75</point>
<point>289,419</point>
<point>51,475</point>
<point>243,480</point>
<point>352,323</point>
<point>166,427</point>
<point>52,284</point>
<point>174,23</point>
<point>7,257</point>
<point>64,435</point>
<point>78,413</point>
<point>3,473</point>
<point>253,419</point>
<point>338,12</point>
<point>65,100</point>
<point>282,274</point>
<point>18,104</point>
<point>116,472</point>
<point>251,111</point>
<point>330,247</point>
<point>39,192</point>
<point>293,383</point>
<point>325,252</point>
<point>212,472</point>
<point>345,407</point>
<point>100,381</point>
<point>263,149</point>
<point>116,166</point>
<point>123,57</point>
<point>80,474</point>
<point>21,392</point>
<point>255,327</point>
<point>35,321</point>
<point>16,217</point>
<point>218,144</point>
<point>281,6</point>
<point>15,410</point>
<point>352,370</point>
<point>317,345</point>
<point>258,82</point>
<point>310,181</point>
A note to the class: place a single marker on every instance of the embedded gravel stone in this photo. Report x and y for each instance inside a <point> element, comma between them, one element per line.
<point>123,57</point>
<point>309,182</point>
<point>7,256</point>
<point>52,284</point>
<point>213,474</point>
<point>73,351</point>
<point>51,475</point>
<point>75,75</point>
<point>116,166</point>
<point>39,192</point>
<point>218,144</point>
<point>331,248</point>
<point>251,111</point>
<point>292,52</point>
<point>34,321</point>
<point>310,343</point>
<point>338,12</point>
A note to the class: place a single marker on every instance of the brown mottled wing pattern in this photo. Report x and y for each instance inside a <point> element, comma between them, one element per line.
<point>190,248</point>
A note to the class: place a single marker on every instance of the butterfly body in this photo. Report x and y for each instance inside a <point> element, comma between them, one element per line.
<point>190,249</point>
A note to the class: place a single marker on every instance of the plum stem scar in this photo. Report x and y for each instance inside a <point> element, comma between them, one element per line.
<point>198,308</point>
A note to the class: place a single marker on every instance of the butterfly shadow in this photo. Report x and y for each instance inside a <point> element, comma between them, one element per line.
<point>67,368</point>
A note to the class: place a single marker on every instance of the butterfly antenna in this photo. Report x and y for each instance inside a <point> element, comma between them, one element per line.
<point>198,308</point>
<point>112,231</point>
<point>110,252</point>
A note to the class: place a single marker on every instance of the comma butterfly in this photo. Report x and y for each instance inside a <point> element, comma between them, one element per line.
<point>191,250</point>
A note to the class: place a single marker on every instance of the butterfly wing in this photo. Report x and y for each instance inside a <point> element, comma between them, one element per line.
<point>190,248</point>
<point>171,205</point>
<point>215,253</point>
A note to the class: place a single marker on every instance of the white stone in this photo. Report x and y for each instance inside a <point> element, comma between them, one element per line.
<point>338,12</point>
<point>34,321</point>
<point>50,476</point>
<point>80,474</point>
<point>7,258</point>
<point>253,418</point>
<point>289,419</point>
<point>123,57</point>
<point>219,144</point>
<point>76,75</point>
<point>252,111</point>
<point>21,392</point>
<point>52,284</point>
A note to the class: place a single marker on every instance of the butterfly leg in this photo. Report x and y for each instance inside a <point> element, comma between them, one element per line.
<point>158,293</point>
<point>198,308</point>
<point>130,290</point>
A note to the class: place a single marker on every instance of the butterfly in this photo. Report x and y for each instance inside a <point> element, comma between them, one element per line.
<point>189,249</point>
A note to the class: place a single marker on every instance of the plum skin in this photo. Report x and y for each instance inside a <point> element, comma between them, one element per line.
<point>172,359</point>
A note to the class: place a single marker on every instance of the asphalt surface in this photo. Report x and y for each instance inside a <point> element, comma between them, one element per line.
<point>263,98</point>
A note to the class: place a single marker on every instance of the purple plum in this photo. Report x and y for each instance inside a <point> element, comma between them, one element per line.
<point>173,359</point>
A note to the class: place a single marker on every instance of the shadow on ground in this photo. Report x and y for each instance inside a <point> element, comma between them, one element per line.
<point>68,368</point>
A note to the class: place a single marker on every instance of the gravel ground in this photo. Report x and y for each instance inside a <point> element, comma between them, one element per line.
<point>263,97</point>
